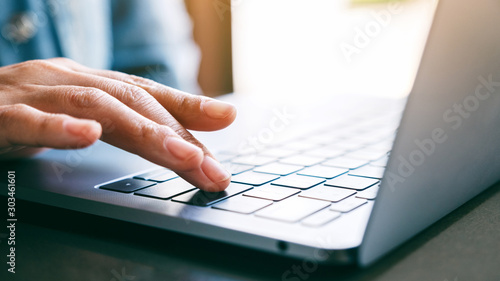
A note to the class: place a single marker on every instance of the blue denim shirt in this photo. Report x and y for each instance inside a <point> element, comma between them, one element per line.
<point>150,38</point>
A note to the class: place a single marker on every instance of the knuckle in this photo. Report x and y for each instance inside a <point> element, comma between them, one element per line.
<point>37,64</point>
<point>145,131</point>
<point>5,116</point>
<point>137,80</point>
<point>182,103</point>
<point>85,98</point>
<point>9,116</point>
<point>8,113</point>
<point>136,96</point>
<point>185,103</point>
<point>40,66</point>
<point>62,60</point>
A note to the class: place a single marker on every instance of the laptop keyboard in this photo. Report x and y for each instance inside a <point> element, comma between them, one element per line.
<point>311,180</point>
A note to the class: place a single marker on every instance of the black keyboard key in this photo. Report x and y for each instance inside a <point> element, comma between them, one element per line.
<point>271,192</point>
<point>292,209</point>
<point>296,181</point>
<point>352,182</point>
<point>369,193</point>
<point>253,160</point>
<point>224,156</point>
<point>167,190</point>
<point>203,198</point>
<point>347,205</point>
<point>382,162</point>
<point>253,178</point>
<point>327,193</point>
<point>302,160</point>
<point>326,152</point>
<point>323,172</point>
<point>159,175</point>
<point>277,152</point>
<point>242,204</point>
<point>127,185</point>
<point>278,169</point>
<point>235,169</point>
<point>300,145</point>
<point>321,218</point>
<point>365,154</point>
<point>368,171</point>
<point>347,163</point>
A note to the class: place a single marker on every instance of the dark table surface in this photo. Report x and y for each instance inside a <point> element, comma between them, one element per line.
<point>55,244</point>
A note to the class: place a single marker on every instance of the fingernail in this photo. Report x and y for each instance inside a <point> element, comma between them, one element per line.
<point>81,127</point>
<point>217,109</point>
<point>214,170</point>
<point>181,149</point>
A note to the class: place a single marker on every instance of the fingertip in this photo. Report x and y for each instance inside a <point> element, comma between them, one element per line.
<point>216,173</point>
<point>218,109</point>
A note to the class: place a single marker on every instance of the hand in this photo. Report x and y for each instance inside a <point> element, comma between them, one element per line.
<point>59,103</point>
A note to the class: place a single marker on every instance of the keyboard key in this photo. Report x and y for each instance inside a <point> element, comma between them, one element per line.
<point>203,198</point>
<point>278,169</point>
<point>342,162</point>
<point>224,156</point>
<point>326,152</point>
<point>300,145</point>
<point>368,171</point>
<point>384,146</point>
<point>292,209</point>
<point>253,178</point>
<point>127,185</point>
<point>320,218</point>
<point>159,175</point>
<point>369,193</point>
<point>278,152</point>
<point>242,204</point>
<point>352,182</point>
<point>166,190</point>
<point>323,171</point>
<point>253,160</point>
<point>296,181</point>
<point>382,162</point>
<point>271,192</point>
<point>347,145</point>
<point>321,139</point>
<point>235,169</point>
<point>347,205</point>
<point>147,176</point>
<point>327,193</point>
<point>377,148</point>
<point>302,160</point>
<point>365,155</point>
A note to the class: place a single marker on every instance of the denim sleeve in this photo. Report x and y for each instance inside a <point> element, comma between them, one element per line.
<point>153,39</point>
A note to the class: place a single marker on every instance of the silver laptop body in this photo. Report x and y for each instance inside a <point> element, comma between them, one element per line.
<point>446,151</point>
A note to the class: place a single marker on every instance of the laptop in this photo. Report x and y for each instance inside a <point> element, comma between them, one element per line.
<point>342,180</point>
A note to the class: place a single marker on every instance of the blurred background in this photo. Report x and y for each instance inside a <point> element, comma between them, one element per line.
<point>288,48</point>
